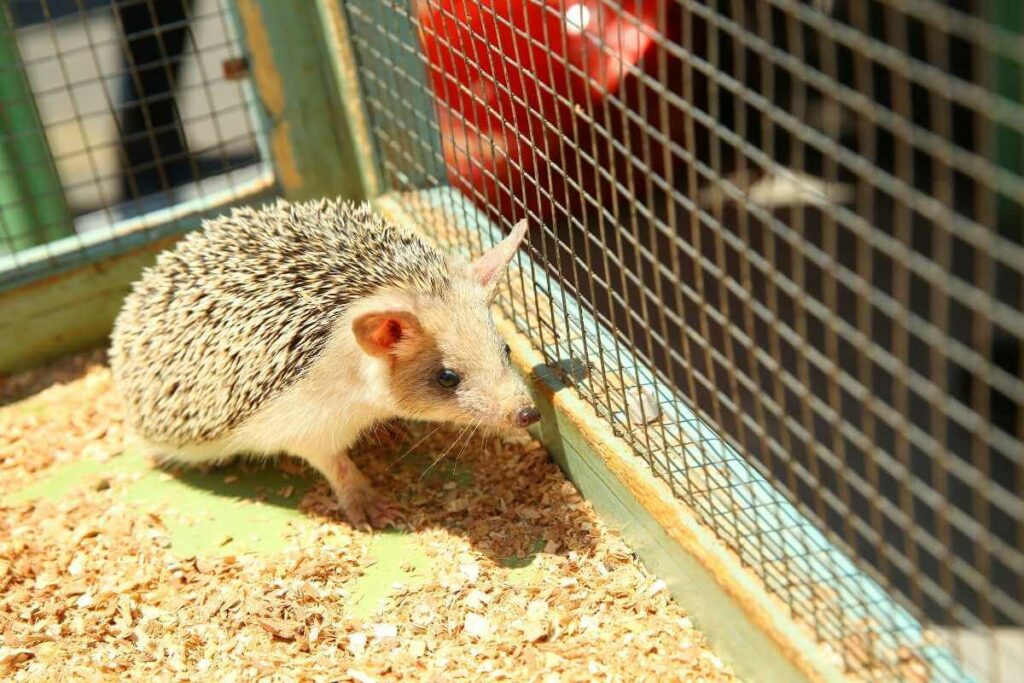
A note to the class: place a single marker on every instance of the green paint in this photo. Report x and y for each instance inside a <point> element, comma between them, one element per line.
<point>514,562</point>
<point>32,203</point>
<point>59,483</point>
<point>79,325</point>
<point>203,513</point>
<point>67,314</point>
<point>525,570</point>
<point>355,120</point>
<point>398,558</point>
<point>208,516</point>
<point>29,406</point>
<point>231,510</point>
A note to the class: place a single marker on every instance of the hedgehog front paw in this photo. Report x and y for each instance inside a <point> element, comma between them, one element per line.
<point>366,507</point>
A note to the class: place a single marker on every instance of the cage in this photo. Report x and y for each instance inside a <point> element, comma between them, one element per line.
<point>772,302</point>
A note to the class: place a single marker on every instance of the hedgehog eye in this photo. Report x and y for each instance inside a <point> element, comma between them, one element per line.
<point>449,379</point>
<point>508,353</point>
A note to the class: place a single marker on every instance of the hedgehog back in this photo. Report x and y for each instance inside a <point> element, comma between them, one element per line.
<point>238,311</point>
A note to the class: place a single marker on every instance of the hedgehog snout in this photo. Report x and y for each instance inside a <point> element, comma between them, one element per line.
<point>527,416</point>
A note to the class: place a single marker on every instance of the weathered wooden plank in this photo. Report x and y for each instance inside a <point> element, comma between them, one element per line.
<point>345,69</point>
<point>311,144</point>
<point>70,311</point>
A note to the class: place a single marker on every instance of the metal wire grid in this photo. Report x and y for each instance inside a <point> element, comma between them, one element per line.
<point>124,109</point>
<point>857,340</point>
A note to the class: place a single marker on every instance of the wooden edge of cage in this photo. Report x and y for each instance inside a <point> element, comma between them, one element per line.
<point>304,115</point>
<point>346,74</point>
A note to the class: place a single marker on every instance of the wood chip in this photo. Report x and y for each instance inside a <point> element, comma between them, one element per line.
<point>357,644</point>
<point>359,676</point>
<point>476,625</point>
<point>385,631</point>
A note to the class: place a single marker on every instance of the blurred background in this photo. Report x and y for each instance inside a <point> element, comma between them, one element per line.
<point>133,96</point>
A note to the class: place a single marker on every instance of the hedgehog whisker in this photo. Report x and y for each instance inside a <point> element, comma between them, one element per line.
<point>462,450</point>
<point>450,449</point>
<point>413,447</point>
<point>445,452</point>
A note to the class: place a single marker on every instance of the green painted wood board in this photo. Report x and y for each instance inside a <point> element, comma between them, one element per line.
<point>67,313</point>
<point>351,93</point>
<point>307,127</point>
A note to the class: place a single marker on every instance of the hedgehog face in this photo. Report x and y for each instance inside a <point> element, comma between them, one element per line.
<point>446,362</point>
<point>460,370</point>
<point>445,358</point>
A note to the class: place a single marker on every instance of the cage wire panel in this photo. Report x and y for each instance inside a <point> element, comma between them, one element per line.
<point>118,118</point>
<point>782,253</point>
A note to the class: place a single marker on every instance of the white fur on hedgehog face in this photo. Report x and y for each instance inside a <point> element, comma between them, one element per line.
<point>456,367</point>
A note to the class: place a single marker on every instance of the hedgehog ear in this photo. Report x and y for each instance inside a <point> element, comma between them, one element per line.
<point>492,264</point>
<point>377,332</point>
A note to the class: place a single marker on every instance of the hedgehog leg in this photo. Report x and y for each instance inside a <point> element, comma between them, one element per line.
<point>361,503</point>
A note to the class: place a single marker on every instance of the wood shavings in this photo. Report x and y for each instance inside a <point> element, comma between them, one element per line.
<point>357,644</point>
<point>524,582</point>
<point>385,631</point>
<point>359,676</point>
<point>476,626</point>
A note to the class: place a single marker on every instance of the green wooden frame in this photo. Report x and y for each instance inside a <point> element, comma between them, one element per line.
<point>63,297</point>
<point>308,131</point>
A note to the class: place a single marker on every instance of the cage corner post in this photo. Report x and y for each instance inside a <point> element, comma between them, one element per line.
<point>344,68</point>
<point>32,202</point>
<point>310,139</point>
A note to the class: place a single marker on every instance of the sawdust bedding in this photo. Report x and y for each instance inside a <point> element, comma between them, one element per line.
<point>91,588</point>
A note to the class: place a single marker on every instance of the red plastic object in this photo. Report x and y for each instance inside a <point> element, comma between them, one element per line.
<point>515,82</point>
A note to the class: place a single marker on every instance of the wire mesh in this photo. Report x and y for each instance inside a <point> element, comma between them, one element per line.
<point>802,217</point>
<point>113,111</point>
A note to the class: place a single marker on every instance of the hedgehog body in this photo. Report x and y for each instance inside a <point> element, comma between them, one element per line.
<point>294,327</point>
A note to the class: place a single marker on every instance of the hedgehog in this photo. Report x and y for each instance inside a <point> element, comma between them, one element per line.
<point>294,328</point>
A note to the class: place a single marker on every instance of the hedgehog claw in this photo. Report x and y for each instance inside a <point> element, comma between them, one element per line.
<point>366,508</point>
<point>382,511</point>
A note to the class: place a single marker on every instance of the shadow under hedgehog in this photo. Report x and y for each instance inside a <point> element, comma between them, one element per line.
<point>292,328</point>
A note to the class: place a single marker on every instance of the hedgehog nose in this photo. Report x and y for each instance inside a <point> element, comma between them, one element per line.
<point>527,417</point>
